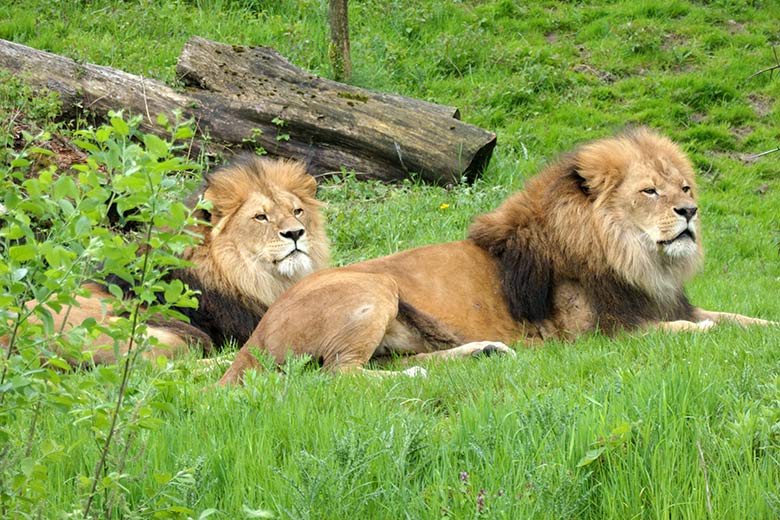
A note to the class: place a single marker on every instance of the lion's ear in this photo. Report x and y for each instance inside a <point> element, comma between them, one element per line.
<point>217,206</point>
<point>297,179</point>
<point>309,186</point>
<point>573,176</point>
<point>600,166</point>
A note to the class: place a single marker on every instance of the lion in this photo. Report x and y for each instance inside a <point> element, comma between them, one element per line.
<point>264,231</point>
<point>601,240</point>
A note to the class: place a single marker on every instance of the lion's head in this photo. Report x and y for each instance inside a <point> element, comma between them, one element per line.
<point>266,230</point>
<point>642,193</point>
<point>621,209</point>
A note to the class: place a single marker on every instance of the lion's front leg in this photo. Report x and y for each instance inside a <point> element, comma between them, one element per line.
<point>683,325</point>
<point>717,317</point>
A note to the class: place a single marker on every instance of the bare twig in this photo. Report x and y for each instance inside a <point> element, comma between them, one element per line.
<point>129,361</point>
<point>146,103</point>
<point>33,423</point>
<point>768,69</point>
<point>771,70</point>
<point>756,156</point>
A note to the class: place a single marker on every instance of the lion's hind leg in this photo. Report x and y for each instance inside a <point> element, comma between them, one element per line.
<point>338,317</point>
<point>426,337</point>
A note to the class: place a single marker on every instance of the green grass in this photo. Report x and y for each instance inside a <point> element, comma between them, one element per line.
<point>308,445</point>
<point>668,416</point>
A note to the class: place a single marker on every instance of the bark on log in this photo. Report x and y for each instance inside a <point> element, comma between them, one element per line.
<point>234,91</point>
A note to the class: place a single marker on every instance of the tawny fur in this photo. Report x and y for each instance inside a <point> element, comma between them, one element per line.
<point>264,231</point>
<point>601,240</point>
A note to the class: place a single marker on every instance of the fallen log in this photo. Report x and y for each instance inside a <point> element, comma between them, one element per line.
<point>249,97</point>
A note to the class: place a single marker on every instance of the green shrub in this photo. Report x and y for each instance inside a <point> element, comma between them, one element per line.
<point>55,235</point>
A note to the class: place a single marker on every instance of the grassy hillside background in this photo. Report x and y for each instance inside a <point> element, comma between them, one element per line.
<point>639,426</point>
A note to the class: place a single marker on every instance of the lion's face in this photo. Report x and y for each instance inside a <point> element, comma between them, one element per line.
<point>660,201</point>
<point>274,229</point>
<point>266,232</point>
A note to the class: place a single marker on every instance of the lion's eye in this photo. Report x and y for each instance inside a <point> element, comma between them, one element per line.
<point>686,189</point>
<point>650,191</point>
<point>298,212</point>
<point>261,217</point>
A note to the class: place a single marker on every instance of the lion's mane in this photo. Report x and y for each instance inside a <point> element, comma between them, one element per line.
<point>569,224</point>
<point>234,289</point>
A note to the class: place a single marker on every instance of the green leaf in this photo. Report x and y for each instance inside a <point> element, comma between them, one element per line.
<point>86,145</point>
<point>120,126</point>
<point>19,382</point>
<point>181,510</point>
<point>102,134</point>
<point>108,374</point>
<point>184,132</point>
<point>59,363</point>
<point>40,151</point>
<point>161,362</point>
<point>173,291</point>
<point>23,253</point>
<point>82,226</point>
<point>162,478</point>
<point>591,456</point>
<point>65,187</point>
<point>48,321</point>
<point>155,145</point>
<point>20,162</point>
<point>27,465</point>
<point>161,406</point>
<point>13,232</point>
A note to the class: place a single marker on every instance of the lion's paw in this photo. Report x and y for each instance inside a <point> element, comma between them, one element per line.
<point>415,372</point>
<point>487,348</point>
<point>704,324</point>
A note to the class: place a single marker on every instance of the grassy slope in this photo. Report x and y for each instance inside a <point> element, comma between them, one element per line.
<point>544,76</point>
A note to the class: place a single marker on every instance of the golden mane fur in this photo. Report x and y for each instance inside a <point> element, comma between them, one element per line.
<point>601,240</point>
<point>238,255</point>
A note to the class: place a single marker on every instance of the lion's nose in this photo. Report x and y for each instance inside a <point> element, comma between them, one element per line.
<point>686,211</point>
<point>292,234</point>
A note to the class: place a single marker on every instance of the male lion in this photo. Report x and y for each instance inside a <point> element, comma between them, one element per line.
<point>263,233</point>
<point>602,240</point>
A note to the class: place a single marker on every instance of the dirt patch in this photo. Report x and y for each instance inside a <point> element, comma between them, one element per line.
<point>64,153</point>
<point>734,26</point>
<point>697,117</point>
<point>762,105</point>
<point>672,40</point>
<point>741,132</point>
<point>603,75</point>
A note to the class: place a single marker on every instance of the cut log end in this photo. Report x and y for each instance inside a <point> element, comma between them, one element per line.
<point>480,161</point>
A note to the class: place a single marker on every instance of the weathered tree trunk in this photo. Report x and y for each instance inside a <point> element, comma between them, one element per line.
<point>248,97</point>
<point>340,60</point>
